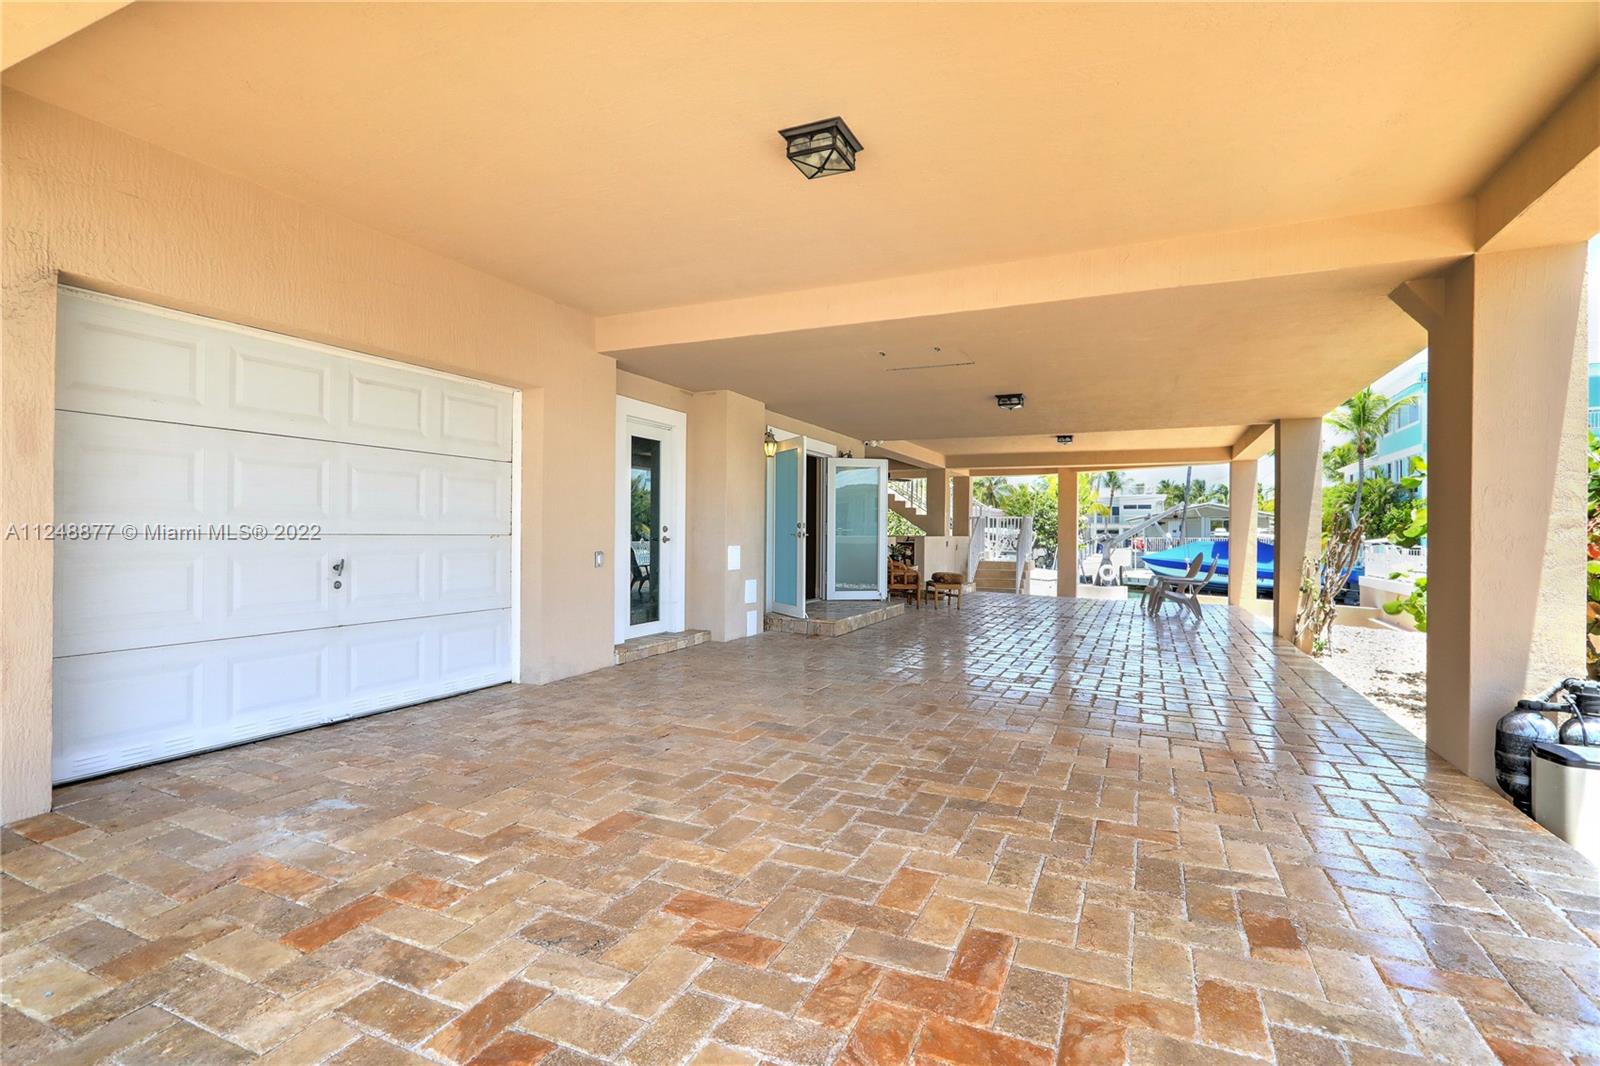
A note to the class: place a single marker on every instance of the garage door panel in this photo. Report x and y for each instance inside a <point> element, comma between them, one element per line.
<point>128,709</point>
<point>279,586</point>
<point>109,361</point>
<point>118,359</point>
<point>124,708</point>
<point>281,385</point>
<point>263,487</point>
<point>150,473</point>
<point>121,470</point>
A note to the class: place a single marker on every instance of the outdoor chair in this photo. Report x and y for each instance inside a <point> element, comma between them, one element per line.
<point>1184,590</point>
<point>905,579</point>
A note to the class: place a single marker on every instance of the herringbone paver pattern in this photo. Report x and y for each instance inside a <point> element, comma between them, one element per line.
<point>1031,831</point>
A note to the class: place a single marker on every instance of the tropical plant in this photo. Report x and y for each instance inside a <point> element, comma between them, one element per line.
<point>901,526</point>
<point>1322,579</point>
<point>989,490</point>
<point>1365,417</point>
<point>1384,508</point>
<point>1593,645</point>
<point>1112,482</point>
<point>1335,459</point>
<point>1414,530</point>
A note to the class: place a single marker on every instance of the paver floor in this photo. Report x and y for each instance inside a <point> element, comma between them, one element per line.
<point>1031,831</point>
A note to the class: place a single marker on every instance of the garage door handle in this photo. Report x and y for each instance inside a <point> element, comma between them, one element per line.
<point>338,567</point>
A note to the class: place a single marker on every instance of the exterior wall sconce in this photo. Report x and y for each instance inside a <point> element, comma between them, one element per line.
<point>818,149</point>
<point>769,444</point>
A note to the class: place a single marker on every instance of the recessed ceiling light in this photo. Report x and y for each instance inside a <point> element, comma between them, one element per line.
<point>1063,438</point>
<point>818,149</point>
<point>1009,401</point>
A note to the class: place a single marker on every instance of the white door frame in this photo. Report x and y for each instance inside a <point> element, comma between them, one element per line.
<point>671,428</point>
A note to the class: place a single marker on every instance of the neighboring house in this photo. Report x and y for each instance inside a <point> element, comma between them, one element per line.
<point>1407,435</point>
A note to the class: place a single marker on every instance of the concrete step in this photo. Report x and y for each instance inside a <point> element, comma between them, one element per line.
<point>659,644</point>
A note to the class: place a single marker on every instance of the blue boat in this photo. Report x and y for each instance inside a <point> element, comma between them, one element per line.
<point>1174,562</point>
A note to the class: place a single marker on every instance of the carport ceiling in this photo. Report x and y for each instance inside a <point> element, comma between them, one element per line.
<point>1201,356</point>
<point>625,157</point>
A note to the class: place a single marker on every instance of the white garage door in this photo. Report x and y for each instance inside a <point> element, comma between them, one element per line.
<point>264,534</point>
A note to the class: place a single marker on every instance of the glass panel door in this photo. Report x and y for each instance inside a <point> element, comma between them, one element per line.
<point>786,548</point>
<point>857,529</point>
<point>645,532</point>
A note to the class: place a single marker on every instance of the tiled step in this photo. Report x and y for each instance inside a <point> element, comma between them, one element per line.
<point>659,644</point>
<point>834,627</point>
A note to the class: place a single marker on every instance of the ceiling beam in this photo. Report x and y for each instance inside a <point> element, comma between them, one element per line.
<point>1547,191</point>
<point>26,29</point>
<point>1434,235</point>
<point>1254,442</point>
<point>1019,463</point>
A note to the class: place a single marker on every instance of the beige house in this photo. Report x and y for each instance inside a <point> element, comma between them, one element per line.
<point>480,322</point>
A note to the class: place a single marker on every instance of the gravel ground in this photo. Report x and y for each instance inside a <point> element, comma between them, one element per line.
<point>1388,666</point>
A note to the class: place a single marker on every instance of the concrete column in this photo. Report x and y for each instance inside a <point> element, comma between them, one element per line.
<point>961,507</point>
<point>1241,532</point>
<point>936,523</point>
<point>1508,392</point>
<point>1297,514</point>
<point>1067,533</point>
<point>726,509</point>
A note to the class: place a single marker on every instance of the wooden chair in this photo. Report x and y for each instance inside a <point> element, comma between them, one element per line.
<point>948,586</point>
<point>1184,591</point>
<point>641,574</point>
<point>905,579</point>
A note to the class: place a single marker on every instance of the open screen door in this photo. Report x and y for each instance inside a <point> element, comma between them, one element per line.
<point>786,529</point>
<point>857,544</point>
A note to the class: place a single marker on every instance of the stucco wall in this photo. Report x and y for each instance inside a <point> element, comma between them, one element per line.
<point>94,207</point>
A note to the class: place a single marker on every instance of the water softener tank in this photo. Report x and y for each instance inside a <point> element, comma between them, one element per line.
<point>1514,737</point>
<point>1566,794</point>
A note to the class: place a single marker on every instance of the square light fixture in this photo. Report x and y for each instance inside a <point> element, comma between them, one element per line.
<point>1009,401</point>
<point>1063,438</point>
<point>818,149</point>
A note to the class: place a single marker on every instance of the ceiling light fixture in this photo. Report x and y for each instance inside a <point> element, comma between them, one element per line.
<point>818,149</point>
<point>1063,438</point>
<point>1009,401</point>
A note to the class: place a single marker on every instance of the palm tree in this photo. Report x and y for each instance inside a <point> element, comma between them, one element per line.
<point>1365,417</point>
<point>1111,481</point>
<point>1188,485</point>
<point>988,490</point>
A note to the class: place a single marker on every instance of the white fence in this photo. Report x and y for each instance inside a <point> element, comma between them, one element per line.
<point>1380,559</point>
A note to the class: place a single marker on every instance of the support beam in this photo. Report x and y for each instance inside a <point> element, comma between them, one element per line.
<point>1547,192</point>
<point>1439,233</point>
<point>1508,396</point>
<point>961,506</point>
<point>1242,531</point>
<point>1253,443</point>
<point>1297,515</point>
<point>1067,533</point>
<point>936,523</point>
